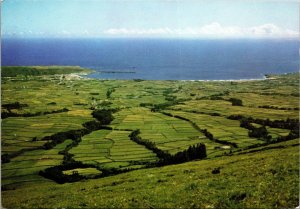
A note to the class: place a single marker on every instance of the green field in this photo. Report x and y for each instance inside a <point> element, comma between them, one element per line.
<point>49,132</point>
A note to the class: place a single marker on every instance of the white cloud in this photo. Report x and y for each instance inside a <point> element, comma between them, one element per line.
<point>272,30</point>
<point>214,29</point>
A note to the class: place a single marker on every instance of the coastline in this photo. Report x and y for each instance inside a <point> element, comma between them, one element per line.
<point>265,77</point>
<point>85,72</point>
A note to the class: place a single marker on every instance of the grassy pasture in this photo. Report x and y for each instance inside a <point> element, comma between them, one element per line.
<point>18,132</point>
<point>266,176</point>
<point>25,167</point>
<point>221,128</point>
<point>276,132</point>
<point>111,149</point>
<point>83,171</point>
<point>169,134</point>
<point>255,100</point>
<point>45,96</point>
<point>225,108</point>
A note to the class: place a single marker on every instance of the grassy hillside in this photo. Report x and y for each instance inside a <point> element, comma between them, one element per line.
<point>102,143</point>
<point>262,179</point>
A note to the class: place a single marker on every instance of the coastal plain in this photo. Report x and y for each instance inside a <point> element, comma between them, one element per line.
<point>139,153</point>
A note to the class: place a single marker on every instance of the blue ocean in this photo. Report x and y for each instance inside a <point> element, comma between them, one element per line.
<point>159,59</point>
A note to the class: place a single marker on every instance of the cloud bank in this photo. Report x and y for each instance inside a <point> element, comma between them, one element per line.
<point>214,29</point>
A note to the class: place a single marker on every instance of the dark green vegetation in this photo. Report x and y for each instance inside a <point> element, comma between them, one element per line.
<point>148,144</point>
<point>14,71</point>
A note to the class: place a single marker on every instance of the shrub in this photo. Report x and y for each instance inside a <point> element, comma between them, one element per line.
<point>236,102</point>
<point>216,170</point>
<point>109,92</point>
<point>146,104</point>
<point>52,103</point>
<point>5,158</point>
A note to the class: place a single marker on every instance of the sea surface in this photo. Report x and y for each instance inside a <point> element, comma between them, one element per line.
<point>159,59</point>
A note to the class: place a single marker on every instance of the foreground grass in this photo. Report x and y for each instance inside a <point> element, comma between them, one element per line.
<point>265,179</point>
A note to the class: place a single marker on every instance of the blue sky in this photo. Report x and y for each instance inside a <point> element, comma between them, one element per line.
<point>151,18</point>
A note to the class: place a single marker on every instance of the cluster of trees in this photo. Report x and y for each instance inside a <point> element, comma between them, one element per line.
<point>92,125</point>
<point>103,116</point>
<point>290,124</point>
<point>12,114</point>
<point>261,132</point>
<point>56,174</point>
<point>277,108</point>
<point>134,136</point>
<point>158,107</point>
<point>193,152</point>
<point>60,137</point>
<point>255,132</point>
<point>218,96</point>
<point>15,105</point>
<point>211,137</point>
<point>234,101</point>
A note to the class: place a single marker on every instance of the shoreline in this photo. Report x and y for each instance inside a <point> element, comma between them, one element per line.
<point>265,77</point>
<point>87,71</point>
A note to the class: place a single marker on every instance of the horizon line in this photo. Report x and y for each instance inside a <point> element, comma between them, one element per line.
<point>150,37</point>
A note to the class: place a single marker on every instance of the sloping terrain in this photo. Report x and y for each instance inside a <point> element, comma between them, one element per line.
<point>265,178</point>
<point>111,143</point>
